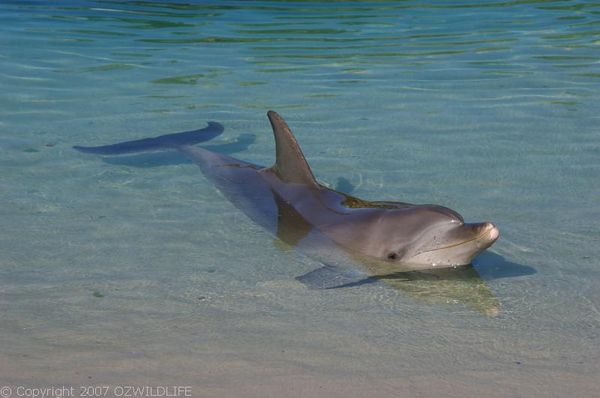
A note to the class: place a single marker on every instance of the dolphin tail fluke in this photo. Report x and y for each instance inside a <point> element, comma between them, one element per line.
<point>167,141</point>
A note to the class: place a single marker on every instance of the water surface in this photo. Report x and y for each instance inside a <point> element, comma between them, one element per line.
<point>136,271</point>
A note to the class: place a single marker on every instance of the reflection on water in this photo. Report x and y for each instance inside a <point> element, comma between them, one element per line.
<point>327,49</point>
<point>287,36</point>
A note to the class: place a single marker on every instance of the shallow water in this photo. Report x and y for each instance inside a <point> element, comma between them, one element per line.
<point>137,271</point>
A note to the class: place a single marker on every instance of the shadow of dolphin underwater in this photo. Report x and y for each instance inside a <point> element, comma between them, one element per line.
<point>464,285</point>
<point>171,158</point>
<point>414,248</point>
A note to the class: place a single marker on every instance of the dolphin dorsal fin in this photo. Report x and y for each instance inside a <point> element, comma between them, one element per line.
<point>290,165</point>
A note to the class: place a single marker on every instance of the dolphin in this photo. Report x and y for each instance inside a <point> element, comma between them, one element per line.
<point>377,238</point>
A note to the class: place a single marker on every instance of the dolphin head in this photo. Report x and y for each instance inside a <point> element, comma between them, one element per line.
<point>429,236</point>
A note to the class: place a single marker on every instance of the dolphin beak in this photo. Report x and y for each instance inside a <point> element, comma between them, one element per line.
<point>465,242</point>
<point>494,232</point>
<point>485,231</point>
<point>489,229</point>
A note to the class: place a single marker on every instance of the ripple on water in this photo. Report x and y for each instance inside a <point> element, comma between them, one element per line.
<point>487,107</point>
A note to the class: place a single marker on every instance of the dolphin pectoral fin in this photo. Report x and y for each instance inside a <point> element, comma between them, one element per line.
<point>334,277</point>
<point>167,141</point>
<point>290,165</point>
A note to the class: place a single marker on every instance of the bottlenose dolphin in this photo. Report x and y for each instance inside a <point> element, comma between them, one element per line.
<point>338,229</point>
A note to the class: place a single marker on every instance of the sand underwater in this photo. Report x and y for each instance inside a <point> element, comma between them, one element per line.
<point>134,270</point>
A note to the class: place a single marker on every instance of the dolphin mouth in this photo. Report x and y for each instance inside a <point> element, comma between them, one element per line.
<point>489,229</point>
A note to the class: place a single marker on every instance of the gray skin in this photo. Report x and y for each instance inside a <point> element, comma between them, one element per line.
<point>382,236</point>
<point>356,241</point>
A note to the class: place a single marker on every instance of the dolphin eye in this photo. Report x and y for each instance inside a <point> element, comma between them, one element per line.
<point>391,256</point>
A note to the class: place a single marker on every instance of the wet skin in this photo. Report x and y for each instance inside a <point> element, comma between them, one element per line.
<point>396,235</point>
<point>395,242</point>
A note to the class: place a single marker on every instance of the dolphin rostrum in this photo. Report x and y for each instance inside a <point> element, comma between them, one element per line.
<point>383,237</point>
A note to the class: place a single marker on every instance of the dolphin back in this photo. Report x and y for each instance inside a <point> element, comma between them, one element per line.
<point>167,141</point>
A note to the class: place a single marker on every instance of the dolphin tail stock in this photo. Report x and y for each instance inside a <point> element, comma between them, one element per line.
<point>163,142</point>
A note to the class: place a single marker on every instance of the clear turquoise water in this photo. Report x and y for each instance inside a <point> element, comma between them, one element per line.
<point>139,272</point>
